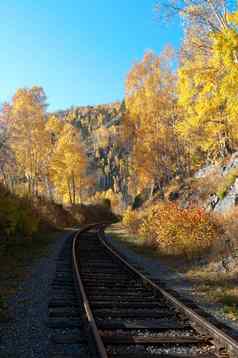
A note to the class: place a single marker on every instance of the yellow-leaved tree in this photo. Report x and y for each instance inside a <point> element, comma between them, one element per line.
<point>207,90</point>
<point>27,136</point>
<point>151,118</point>
<point>69,165</point>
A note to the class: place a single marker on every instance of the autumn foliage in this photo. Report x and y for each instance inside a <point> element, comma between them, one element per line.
<point>23,217</point>
<point>177,120</point>
<point>42,154</point>
<point>172,120</point>
<point>174,231</point>
<point>17,217</point>
<point>132,219</point>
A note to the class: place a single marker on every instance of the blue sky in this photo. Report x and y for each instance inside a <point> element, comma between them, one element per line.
<point>79,51</point>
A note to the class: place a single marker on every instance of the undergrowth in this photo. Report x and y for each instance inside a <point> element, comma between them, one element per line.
<point>94,213</point>
<point>174,231</point>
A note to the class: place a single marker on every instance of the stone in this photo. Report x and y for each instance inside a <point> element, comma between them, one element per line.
<point>206,170</point>
<point>230,263</point>
<point>232,164</point>
<point>229,201</point>
<point>212,202</point>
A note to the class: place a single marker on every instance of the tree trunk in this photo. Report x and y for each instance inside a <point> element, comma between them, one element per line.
<point>69,192</point>
<point>73,188</point>
<point>152,190</point>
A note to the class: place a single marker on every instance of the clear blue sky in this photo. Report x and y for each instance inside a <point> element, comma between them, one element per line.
<point>79,51</point>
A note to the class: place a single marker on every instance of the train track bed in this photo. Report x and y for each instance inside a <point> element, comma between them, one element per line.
<point>67,336</point>
<point>131,316</point>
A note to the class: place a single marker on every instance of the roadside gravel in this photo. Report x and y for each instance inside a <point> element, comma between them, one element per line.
<point>173,279</point>
<point>26,334</point>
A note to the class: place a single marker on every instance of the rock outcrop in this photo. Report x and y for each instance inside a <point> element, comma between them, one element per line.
<point>232,164</point>
<point>229,201</point>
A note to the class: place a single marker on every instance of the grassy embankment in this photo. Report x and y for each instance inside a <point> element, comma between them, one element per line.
<point>190,242</point>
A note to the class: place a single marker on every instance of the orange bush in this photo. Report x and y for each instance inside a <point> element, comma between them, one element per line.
<point>176,231</point>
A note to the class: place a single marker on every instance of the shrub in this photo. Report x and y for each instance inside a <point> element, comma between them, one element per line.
<point>176,231</point>
<point>17,217</point>
<point>94,213</point>
<point>53,215</point>
<point>28,221</point>
<point>131,219</point>
<point>23,217</point>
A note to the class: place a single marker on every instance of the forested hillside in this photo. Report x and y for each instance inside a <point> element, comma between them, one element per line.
<point>100,130</point>
<point>179,114</point>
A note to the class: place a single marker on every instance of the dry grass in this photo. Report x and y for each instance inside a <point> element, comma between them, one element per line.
<point>220,288</point>
<point>229,222</point>
<point>120,233</point>
<point>226,183</point>
<point>206,186</point>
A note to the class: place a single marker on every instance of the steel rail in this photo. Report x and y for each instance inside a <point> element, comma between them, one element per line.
<point>226,342</point>
<point>79,285</point>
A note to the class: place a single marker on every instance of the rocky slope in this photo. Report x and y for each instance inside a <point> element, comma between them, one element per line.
<point>214,187</point>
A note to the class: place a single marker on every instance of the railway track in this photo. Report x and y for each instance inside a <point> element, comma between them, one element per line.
<point>67,337</point>
<point>123,314</point>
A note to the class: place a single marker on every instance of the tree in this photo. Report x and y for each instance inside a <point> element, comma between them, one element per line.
<point>207,15</point>
<point>151,117</point>
<point>69,164</point>
<point>8,167</point>
<point>207,89</point>
<point>200,19</point>
<point>27,136</point>
<point>54,127</point>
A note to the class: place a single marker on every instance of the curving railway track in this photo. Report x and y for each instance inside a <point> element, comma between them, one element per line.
<point>122,314</point>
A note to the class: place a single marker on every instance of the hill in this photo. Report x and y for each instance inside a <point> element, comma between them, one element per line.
<point>100,128</point>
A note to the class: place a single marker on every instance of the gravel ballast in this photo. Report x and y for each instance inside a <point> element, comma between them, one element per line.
<point>25,334</point>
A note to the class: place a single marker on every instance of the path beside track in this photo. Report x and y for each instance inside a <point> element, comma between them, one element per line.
<point>26,334</point>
